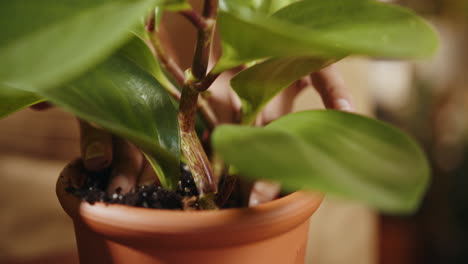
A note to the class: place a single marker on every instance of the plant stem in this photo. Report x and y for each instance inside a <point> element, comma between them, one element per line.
<point>210,9</point>
<point>194,18</point>
<point>204,40</point>
<point>167,62</point>
<point>206,82</point>
<point>192,148</point>
<point>177,73</point>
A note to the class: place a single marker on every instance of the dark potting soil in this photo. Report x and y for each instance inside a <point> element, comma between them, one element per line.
<point>148,196</point>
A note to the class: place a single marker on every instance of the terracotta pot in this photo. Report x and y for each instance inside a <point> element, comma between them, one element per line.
<point>275,232</point>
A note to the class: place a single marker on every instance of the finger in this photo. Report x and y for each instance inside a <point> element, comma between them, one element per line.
<point>264,191</point>
<point>127,166</point>
<point>223,100</point>
<point>96,147</point>
<point>148,175</point>
<point>41,106</point>
<point>76,173</point>
<point>283,103</point>
<point>331,87</point>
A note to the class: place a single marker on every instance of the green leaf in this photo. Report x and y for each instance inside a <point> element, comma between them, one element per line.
<point>161,6</point>
<point>45,43</point>
<point>120,96</point>
<point>257,85</point>
<point>263,6</point>
<point>335,152</point>
<point>13,100</point>
<point>271,6</point>
<point>138,51</point>
<point>175,5</point>
<point>326,29</point>
<point>158,14</point>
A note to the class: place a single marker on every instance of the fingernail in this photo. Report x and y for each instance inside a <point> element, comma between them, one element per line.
<point>344,105</point>
<point>96,158</point>
<point>254,202</point>
<point>148,175</point>
<point>95,150</point>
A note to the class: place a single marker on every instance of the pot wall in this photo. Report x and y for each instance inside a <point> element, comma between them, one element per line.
<point>286,248</point>
<point>275,232</point>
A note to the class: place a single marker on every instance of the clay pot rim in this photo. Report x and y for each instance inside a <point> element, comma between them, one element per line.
<point>271,218</point>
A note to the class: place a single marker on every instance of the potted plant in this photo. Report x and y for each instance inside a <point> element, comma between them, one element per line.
<point>104,62</point>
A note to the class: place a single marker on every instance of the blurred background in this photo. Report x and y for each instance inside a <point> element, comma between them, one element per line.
<point>428,99</point>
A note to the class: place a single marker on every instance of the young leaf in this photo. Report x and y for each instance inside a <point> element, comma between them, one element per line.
<point>257,85</point>
<point>45,43</point>
<point>13,100</point>
<point>327,29</point>
<point>335,152</point>
<point>120,96</point>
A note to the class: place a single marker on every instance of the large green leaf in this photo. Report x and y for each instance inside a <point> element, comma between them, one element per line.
<point>336,152</point>
<point>125,99</point>
<point>12,100</point>
<point>328,29</point>
<point>257,85</point>
<point>45,43</point>
<point>138,51</point>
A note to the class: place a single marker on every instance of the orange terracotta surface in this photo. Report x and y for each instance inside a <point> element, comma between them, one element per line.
<point>275,232</point>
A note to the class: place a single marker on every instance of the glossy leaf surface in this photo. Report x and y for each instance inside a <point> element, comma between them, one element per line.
<point>122,97</point>
<point>139,53</point>
<point>327,29</point>
<point>335,152</point>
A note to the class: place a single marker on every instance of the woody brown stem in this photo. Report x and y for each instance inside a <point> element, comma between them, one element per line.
<point>204,39</point>
<point>194,18</point>
<point>210,9</point>
<point>198,161</point>
<point>191,146</point>
<point>174,69</point>
<point>204,84</point>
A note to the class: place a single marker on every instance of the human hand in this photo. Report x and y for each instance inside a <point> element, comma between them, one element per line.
<point>100,151</point>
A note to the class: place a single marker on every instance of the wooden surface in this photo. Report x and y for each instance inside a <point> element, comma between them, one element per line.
<point>34,146</point>
<point>58,258</point>
<point>50,134</point>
